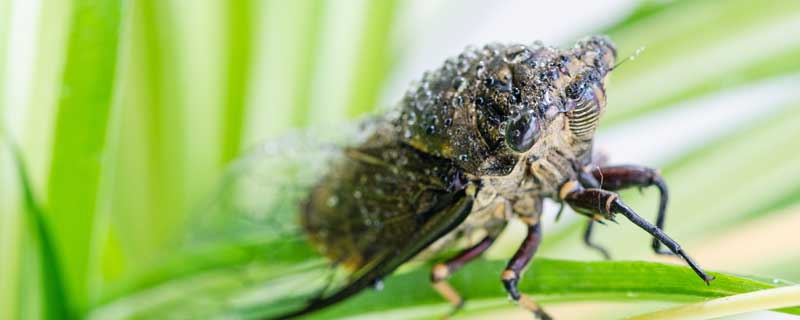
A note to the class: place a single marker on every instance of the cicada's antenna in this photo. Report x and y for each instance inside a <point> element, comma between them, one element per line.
<point>629,58</point>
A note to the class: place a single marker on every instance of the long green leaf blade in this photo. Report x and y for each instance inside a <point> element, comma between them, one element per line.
<point>374,58</point>
<point>55,303</point>
<point>741,303</point>
<point>240,25</point>
<point>556,280</point>
<point>80,134</point>
<point>738,45</point>
<point>548,280</point>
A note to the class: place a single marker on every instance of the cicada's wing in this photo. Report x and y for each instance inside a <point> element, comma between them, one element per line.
<point>381,204</point>
<point>300,224</point>
<point>251,224</point>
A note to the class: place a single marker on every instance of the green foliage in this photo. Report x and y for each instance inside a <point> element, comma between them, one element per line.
<point>548,280</point>
<point>84,110</point>
<point>557,280</point>
<point>737,45</point>
<point>240,25</point>
<point>55,304</point>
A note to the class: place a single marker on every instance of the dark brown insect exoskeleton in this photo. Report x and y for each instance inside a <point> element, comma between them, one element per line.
<point>482,140</point>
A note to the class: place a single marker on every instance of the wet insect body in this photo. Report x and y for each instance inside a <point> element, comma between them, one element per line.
<point>482,140</point>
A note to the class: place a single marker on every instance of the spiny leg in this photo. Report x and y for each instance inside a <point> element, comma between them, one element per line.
<point>587,239</point>
<point>441,271</point>
<point>608,203</point>
<point>511,275</point>
<point>616,178</point>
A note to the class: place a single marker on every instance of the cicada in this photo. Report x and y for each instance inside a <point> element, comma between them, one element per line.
<point>482,140</point>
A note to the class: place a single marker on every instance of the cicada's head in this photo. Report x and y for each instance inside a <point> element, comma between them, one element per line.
<point>562,93</point>
<point>582,89</point>
<point>488,107</point>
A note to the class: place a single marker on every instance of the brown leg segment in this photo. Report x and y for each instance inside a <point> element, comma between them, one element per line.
<point>587,179</point>
<point>608,203</point>
<point>441,271</point>
<point>616,178</point>
<point>511,275</point>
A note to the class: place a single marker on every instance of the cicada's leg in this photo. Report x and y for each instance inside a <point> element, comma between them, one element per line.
<point>587,179</point>
<point>587,239</point>
<point>616,178</point>
<point>511,275</point>
<point>441,271</point>
<point>608,203</point>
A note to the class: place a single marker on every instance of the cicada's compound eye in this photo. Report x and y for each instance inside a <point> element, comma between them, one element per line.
<point>522,132</point>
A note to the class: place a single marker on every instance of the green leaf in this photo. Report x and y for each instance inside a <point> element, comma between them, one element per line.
<point>374,57</point>
<point>741,303</point>
<point>547,280</point>
<point>738,46</point>
<point>285,57</point>
<point>307,41</point>
<point>87,93</point>
<point>240,25</point>
<point>5,7</point>
<point>556,280</point>
<point>54,299</point>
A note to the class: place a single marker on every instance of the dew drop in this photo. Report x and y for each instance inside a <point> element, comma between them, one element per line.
<point>430,130</point>
<point>541,77</point>
<point>458,101</point>
<point>458,82</point>
<point>402,161</point>
<point>411,119</point>
<point>480,70</point>
<point>518,54</point>
<point>553,74</point>
<point>332,201</point>
<point>637,53</point>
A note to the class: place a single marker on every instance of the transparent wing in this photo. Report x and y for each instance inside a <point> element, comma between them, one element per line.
<point>306,221</point>
<point>254,214</point>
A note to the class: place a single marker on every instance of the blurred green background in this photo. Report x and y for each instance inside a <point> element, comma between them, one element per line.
<point>127,112</point>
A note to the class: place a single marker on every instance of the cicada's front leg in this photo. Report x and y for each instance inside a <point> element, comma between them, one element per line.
<point>587,240</point>
<point>517,264</point>
<point>601,203</point>
<point>615,178</point>
<point>586,178</point>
